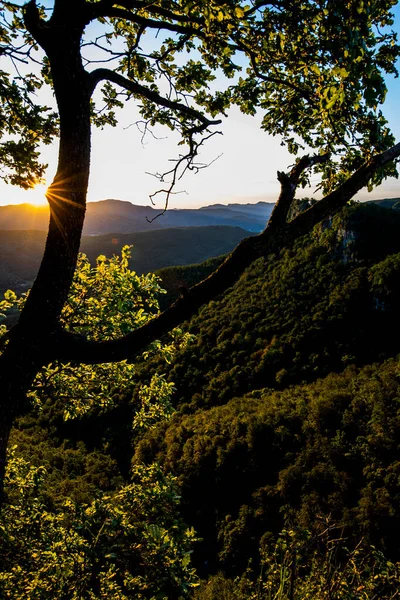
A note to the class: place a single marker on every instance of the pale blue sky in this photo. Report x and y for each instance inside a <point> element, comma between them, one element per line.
<point>244,172</point>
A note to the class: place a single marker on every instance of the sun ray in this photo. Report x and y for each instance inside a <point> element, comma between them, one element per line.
<point>37,195</point>
<point>51,195</point>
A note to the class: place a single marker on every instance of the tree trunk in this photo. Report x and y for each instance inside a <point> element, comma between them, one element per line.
<point>28,347</point>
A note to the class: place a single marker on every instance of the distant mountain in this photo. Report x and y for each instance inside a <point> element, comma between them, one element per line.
<point>260,209</point>
<point>118,216</point>
<point>24,216</point>
<point>111,216</point>
<point>387,203</point>
<point>21,251</point>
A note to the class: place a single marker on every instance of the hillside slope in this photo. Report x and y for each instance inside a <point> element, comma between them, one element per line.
<point>298,315</point>
<point>323,452</point>
<point>278,420</point>
<point>388,203</point>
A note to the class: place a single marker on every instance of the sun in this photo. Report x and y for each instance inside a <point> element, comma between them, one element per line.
<point>37,195</point>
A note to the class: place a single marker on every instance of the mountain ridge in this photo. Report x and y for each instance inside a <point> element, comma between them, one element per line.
<point>121,216</point>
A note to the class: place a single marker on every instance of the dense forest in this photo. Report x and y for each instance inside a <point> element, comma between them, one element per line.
<point>266,427</point>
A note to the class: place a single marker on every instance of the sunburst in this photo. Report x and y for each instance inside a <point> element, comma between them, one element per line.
<point>37,195</point>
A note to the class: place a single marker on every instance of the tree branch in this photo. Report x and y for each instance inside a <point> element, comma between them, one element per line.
<point>136,88</point>
<point>120,13</point>
<point>259,5</point>
<point>33,21</point>
<point>116,12</point>
<point>289,182</point>
<point>107,8</point>
<point>252,55</point>
<point>347,190</point>
<point>176,173</point>
<point>67,347</point>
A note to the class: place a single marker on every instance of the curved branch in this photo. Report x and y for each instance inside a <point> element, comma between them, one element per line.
<point>33,21</point>
<point>121,13</point>
<point>176,173</point>
<point>123,10</point>
<point>289,183</point>
<point>347,190</point>
<point>259,5</point>
<point>136,88</point>
<point>104,8</point>
<point>69,347</point>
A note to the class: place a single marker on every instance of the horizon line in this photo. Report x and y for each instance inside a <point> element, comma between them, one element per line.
<point>161,208</point>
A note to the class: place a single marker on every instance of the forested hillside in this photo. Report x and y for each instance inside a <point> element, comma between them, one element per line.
<point>323,448</point>
<point>295,457</point>
<point>388,203</point>
<point>329,301</point>
<point>286,404</point>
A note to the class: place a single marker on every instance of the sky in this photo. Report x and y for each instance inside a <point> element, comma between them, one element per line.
<point>243,162</point>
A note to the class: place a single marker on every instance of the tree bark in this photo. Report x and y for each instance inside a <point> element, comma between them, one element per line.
<point>30,341</point>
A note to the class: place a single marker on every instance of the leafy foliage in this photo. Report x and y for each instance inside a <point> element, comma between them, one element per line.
<point>126,544</point>
<point>24,124</point>
<point>325,64</point>
<point>74,528</point>
<point>106,301</point>
<point>309,76</point>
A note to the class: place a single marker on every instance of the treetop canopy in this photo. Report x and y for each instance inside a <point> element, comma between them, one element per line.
<point>314,70</point>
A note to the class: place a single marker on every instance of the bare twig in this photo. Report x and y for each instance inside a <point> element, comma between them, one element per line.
<point>177,172</point>
<point>145,130</point>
